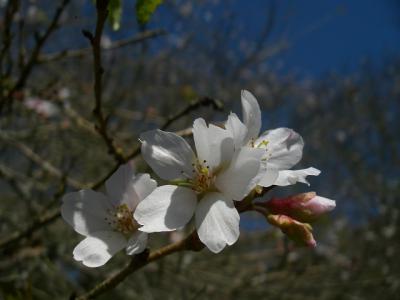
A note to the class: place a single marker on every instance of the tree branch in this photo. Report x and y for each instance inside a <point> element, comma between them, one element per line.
<point>265,34</point>
<point>139,261</point>
<point>46,217</point>
<point>39,223</point>
<point>41,162</point>
<point>203,101</point>
<point>141,37</point>
<point>9,12</point>
<point>95,41</point>
<point>26,71</point>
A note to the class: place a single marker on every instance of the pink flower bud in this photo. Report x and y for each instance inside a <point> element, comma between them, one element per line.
<point>301,233</point>
<point>306,207</point>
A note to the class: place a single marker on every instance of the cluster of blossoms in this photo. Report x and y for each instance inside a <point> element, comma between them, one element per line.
<point>230,164</point>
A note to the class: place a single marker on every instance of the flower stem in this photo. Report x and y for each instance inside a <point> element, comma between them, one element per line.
<point>260,209</point>
<point>139,261</point>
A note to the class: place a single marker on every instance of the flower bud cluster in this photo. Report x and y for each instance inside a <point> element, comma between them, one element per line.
<point>293,214</point>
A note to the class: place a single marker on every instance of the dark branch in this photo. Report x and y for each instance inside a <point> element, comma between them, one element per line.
<point>95,41</point>
<point>9,12</point>
<point>191,242</point>
<point>77,53</point>
<point>39,223</point>
<point>27,69</point>
<point>204,101</point>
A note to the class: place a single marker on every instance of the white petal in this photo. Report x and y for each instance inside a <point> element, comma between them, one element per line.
<point>251,115</point>
<point>143,185</point>
<point>86,211</point>
<point>97,249</point>
<point>289,177</point>
<point>242,175</point>
<point>126,187</point>
<point>167,208</point>
<point>200,136</point>
<point>136,243</point>
<point>217,221</point>
<point>284,147</point>
<point>221,146</point>
<point>269,177</point>
<point>167,154</point>
<point>237,129</point>
<point>214,145</point>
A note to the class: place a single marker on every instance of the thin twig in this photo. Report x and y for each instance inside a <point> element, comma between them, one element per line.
<point>39,223</point>
<point>77,53</point>
<point>12,175</point>
<point>203,101</point>
<point>26,71</point>
<point>11,179</point>
<point>44,218</point>
<point>79,120</point>
<point>9,12</point>
<point>95,41</point>
<point>139,261</point>
<point>41,162</point>
<point>265,34</point>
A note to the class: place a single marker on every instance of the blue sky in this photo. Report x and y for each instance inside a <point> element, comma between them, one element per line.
<point>331,35</point>
<point>325,35</point>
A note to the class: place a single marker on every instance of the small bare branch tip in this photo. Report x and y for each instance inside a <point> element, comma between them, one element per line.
<point>87,34</point>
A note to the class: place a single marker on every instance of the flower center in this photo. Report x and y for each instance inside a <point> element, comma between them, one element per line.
<point>121,219</point>
<point>202,177</point>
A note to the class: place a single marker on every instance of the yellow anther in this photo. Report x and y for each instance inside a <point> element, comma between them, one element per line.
<point>204,171</point>
<point>202,177</point>
<point>263,143</point>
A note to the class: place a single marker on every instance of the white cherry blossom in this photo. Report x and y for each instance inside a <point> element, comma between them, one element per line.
<point>107,221</point>
<point>207,183</point>
<point>283,147</point>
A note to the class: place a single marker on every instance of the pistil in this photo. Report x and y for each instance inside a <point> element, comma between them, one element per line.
<point>121,219</point>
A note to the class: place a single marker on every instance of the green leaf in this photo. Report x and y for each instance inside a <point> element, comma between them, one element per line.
<point>115,13</point>
<point>145,9</point>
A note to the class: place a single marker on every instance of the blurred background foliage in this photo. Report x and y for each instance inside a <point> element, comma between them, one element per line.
<point>158,64</point>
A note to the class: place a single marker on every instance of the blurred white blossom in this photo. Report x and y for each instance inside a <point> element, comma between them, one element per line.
<point>107,221</point>
<point>42,107</point>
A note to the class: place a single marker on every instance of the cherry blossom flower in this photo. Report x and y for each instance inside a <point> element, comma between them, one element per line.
<point>42,107</point>
<point>107,221</point>
<point>206,185</point>
<point>283,147</point>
